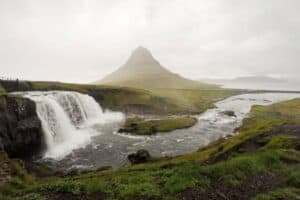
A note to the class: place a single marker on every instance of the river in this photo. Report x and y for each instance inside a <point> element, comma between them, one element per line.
<point>81,135</point>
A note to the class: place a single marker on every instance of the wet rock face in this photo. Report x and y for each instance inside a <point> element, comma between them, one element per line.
<point>20,128</point>
<point>141,156</point>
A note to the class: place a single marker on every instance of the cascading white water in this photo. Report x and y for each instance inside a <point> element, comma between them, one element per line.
<point>67,120</point>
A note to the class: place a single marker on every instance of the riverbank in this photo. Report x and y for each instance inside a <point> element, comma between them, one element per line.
<point>105,145</point>
<point>262,162</point>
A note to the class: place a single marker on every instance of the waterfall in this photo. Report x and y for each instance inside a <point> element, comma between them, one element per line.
<point>68,119</point>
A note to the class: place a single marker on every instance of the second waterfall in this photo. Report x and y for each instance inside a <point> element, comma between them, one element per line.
<point>68,119</point>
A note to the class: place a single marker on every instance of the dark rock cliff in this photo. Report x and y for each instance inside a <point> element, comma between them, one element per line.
<point>20,128</point>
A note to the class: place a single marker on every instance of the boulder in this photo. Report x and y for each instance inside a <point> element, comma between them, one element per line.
<point>229,113</point>
<point>141,156</point>
<point>20,128</point>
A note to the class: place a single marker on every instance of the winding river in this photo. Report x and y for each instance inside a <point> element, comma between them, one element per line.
<point>79,134</point>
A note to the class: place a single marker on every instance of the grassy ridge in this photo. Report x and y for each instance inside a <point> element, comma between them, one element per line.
<point>172,101</point>
<point>139,126</point>
<point>124,99</point>
<point>139,101</point>
<point>197,99</point>
<point>262,162</point>
<point>264,119</point>
<point>159,81</point>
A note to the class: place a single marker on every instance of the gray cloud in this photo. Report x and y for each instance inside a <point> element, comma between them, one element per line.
<point>83,40</point>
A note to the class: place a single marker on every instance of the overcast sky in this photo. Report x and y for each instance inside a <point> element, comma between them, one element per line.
<point>84,40</point>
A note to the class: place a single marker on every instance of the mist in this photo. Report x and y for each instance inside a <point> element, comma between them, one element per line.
<point>84,40</point>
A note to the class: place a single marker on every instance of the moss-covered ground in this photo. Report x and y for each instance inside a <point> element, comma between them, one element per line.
<point>140,126</point>
<point>2,90</point>
<point>262,162</point>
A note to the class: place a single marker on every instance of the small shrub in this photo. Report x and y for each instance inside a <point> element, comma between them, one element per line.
<point>178,184</point>
<point>94,185</point>
<point>294,178</point>
<point>231,181</point>
<point>204,183</point>
<point>282,193</point>
<point>282,142</point>
<point>142,189</point>
<point>65,186</point>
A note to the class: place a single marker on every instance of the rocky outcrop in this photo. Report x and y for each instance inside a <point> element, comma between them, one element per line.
<point>229,113</point>
<point>20,128</point>
<point>141,156</point>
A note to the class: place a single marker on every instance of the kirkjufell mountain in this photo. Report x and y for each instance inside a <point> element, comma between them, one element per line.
<point>142,70</point>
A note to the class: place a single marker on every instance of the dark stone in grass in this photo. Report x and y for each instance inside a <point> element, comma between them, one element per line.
<point>131,129</point>
<point>122,130</point>
<point>141,156</point>
<point>152,130</point>
<point>104,168</point>
<point>73,172</point>
<point>229,113</point>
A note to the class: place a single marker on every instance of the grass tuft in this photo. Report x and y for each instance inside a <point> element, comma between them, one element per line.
<point>140,126</point>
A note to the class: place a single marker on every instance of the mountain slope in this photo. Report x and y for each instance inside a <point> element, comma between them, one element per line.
<point>143,71</point>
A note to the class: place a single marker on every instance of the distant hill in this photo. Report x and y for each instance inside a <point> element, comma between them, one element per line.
<point>243,79</point>
<point>256,79</point>
<point>142,70</point>
<point>255,82</point>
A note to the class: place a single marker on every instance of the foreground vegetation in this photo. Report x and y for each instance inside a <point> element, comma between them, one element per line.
<point>2,90</point>
<point>261,163</point>
<point>139,126</point>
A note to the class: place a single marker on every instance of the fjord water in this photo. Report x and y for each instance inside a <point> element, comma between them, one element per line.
<point>79,134</point>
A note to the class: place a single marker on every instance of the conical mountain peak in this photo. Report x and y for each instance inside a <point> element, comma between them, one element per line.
<point>141,51</point>
<point>142,70</point>
<point>141,55</point>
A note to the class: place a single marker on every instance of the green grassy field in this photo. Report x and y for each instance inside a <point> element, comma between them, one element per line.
<point>142,101</point>
<point>195,99</point>
<point>261,163</point>
<point>139,126</point>
<point>160,81</point>
<point>150,100</point>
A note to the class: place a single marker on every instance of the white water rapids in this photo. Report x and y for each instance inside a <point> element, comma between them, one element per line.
<point>68,119</point>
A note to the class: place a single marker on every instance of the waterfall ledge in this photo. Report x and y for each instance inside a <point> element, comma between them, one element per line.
<point>68,119</point>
